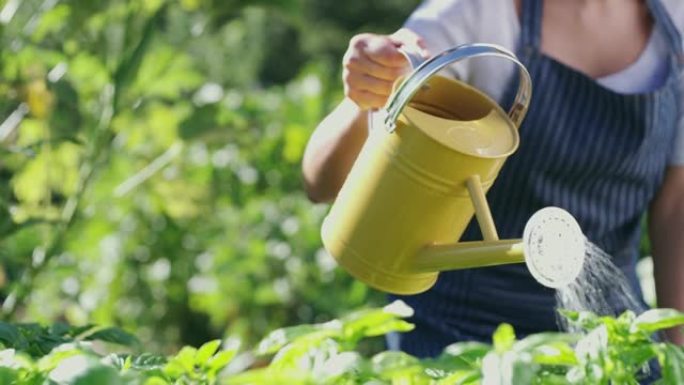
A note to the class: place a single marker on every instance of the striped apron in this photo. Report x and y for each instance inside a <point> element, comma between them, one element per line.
<point>596,153</point>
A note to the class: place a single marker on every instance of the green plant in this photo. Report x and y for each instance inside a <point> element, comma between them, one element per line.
<point>606,350</point>
<point>150,163</point>
<point>71,356</point>
<point>618,350</point>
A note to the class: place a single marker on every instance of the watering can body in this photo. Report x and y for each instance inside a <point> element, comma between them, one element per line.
<point>408,188</point>
<point>419,179</point>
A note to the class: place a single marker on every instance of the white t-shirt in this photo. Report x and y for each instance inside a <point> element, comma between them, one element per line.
<point>447,23</point>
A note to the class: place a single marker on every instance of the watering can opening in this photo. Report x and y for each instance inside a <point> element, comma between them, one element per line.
<point>462,118</point>
<point>451,99</point>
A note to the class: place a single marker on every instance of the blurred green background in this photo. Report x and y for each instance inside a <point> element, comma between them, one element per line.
<point>149,163</point>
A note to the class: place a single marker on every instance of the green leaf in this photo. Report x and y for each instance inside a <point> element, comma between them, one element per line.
<point>174,368</point>
<point>295,136</point>
<point>503,338</point>
<point>62,358</point>
<point>126,364</point>
<point>316,344</point>
<point>7,225</point>
<point>9,335</point>
<point>469,350</point>
<point>147,361</point>
<point>549,348</point>
<point>7,375</point>
<point>60,329</point>
<point>51,22</point>
<point>205,352</point>
<point>671,359</point>
<point>570,315</point>
<point>626,318</point>
<point>592,345</point>
<point>128,68</point>
<point>534,341</point>
<point>545,378</point>
<point>389,326</point>
<point>658,319</point>
<point>156,381</point>
<point>100,375</point>
<point>524,372</point>
<point>66,118</point>
<point>340,365</point>
<point>584,319</point>
<point>460,377</point>
<point>275,340</point>
<point>508,368</point>
<point>220,360</point>
<point>638,353</point>
<point>114,335</point>
<point>555,353</point>
<point>265,376</point>
<point>393,363</point>
<point>375,322</point>
<point>202,124</point>
<point>182,363</point>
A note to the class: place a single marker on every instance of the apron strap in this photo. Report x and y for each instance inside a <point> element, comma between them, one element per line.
<point>531,24</point>
<point>666,26</point>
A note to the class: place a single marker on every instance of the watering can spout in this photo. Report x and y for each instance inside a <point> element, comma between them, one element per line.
<point>552,247</point>
<point>467,255</point>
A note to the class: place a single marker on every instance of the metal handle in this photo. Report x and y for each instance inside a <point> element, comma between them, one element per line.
<point>429,67</point>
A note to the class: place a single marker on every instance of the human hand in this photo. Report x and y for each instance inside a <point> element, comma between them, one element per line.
<point>373,62</point>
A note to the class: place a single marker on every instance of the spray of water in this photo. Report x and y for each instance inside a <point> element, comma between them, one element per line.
<point>601,288</point>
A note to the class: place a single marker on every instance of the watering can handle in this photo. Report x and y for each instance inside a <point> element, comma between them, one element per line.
<point>423,70</point>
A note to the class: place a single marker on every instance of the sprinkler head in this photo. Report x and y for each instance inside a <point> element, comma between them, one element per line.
<point>554,247</point>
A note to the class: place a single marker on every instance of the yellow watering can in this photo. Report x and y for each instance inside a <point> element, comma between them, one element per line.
<point>418,181</point>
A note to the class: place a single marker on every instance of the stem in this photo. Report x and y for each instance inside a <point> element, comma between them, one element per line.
<point>148,171</point>
<point>96,157</point>
<point>69,211</point>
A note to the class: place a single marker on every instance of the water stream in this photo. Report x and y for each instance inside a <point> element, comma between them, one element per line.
<point>601,288</point>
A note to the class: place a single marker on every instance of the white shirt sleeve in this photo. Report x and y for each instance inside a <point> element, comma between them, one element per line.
<point>442,25</point>
<point>445,24</point>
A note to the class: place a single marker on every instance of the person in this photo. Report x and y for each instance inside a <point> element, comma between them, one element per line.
<point>603,139</point>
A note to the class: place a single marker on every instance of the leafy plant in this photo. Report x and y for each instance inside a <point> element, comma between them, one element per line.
<point>150,163</point>
<point>619,350</point>
<point>37,340</point>
<point>607,351</point>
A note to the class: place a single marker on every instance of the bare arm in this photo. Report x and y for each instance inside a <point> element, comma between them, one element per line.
<point>666,229</point>
<point>332,150</point>
<point>371,65</point>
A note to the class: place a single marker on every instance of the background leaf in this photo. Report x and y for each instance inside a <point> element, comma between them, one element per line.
<point>658,319</point>
<point>114,335</point>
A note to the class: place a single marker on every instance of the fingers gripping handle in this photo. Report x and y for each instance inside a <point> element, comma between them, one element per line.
<point>411,54</point>
<point>423,70</point>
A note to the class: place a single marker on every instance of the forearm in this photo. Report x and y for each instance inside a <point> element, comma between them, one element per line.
<point>669,273</point>
<point>332,150</point>
<point>666,228</point>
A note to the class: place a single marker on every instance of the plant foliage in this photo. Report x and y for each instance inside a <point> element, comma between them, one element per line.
<point>150,163</point>
<point>605,350</point>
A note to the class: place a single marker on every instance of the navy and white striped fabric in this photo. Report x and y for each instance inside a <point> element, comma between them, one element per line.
<point>596,153</point>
